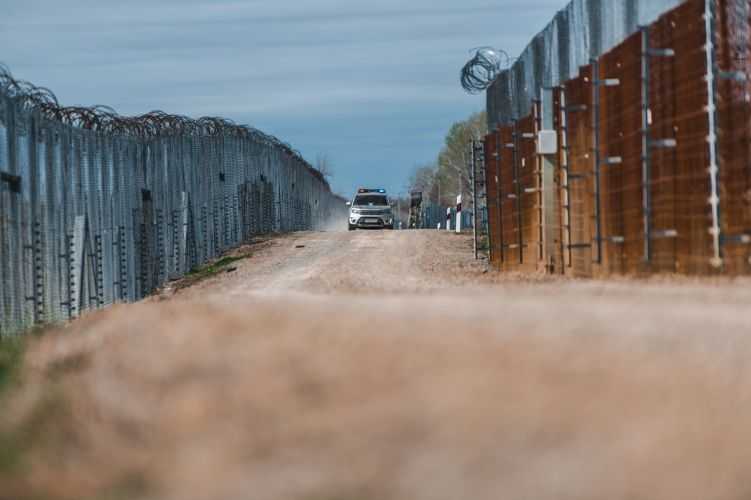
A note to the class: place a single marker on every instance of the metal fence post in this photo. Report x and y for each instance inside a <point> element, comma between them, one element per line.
<point>566,249</point>
<point>596,156</point>
<point>518,191</point>
<point>473,170</point>
<point>499,194</point>
<point>714,161</point>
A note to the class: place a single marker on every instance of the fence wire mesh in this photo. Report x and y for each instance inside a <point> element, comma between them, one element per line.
<point>652,166</point>
<point>97,209</point>
<point>583,30</point>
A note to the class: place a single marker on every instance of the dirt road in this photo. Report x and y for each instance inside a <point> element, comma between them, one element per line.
<point>390,365</point>
<point>359,263</point>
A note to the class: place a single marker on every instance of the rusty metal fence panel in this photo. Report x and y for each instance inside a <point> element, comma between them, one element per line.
<point>582,30</point>
<point>492,166</point>
<point>654,148</point>
<point>680,178</point>
<point>527,180</point>
<point>512,236</point>
<point>620,165</point>
<point>580,181</point>
<point>91,216</point>
<point>733,34</point>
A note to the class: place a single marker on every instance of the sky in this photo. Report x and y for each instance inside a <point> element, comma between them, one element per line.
<point>373,86</point>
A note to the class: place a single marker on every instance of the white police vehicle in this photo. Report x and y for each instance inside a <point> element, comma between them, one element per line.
<point>370,209</point>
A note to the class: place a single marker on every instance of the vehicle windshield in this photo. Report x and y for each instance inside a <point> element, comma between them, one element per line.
<point>371,200</point>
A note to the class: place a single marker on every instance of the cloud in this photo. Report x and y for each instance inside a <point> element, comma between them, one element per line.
<point>310,71</point>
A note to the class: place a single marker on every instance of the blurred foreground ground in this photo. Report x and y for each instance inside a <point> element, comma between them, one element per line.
<point>388,365</point>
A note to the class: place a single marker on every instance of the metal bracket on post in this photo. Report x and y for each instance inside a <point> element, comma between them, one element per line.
<point>597,83</point>
<point>577,108</point>
<point>740,239</point>
<point>612,161</point>
<point>735,76</point>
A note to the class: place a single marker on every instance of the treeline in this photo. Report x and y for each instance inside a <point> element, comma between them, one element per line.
<point>450,174</point>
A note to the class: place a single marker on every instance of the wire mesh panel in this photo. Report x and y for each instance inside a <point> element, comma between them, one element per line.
<point>654,138</point>
<point>734,124</point>
<point>97,209</point>
<point>620,155</point>
<point>511,215</point>
<point>680,110</point>
<point>663,175</point>
<point>580,179</point>
<point>529,186</point>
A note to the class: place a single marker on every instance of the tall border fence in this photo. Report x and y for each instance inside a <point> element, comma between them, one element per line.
<point>97,209</point>
<point>651,168</point>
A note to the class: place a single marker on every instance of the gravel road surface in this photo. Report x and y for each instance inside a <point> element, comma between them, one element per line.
<point>390,365</point>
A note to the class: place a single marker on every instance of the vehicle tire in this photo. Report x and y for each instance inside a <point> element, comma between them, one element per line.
<point>351,227</point>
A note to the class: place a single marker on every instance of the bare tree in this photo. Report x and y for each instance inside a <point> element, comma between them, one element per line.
<point>324,165</point>
<point>421,178</point>
<point>424,179</point>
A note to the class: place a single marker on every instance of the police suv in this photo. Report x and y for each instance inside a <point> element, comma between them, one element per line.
<point>370,209</point>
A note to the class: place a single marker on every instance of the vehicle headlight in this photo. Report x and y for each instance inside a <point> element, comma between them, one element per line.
<point>355,210</point>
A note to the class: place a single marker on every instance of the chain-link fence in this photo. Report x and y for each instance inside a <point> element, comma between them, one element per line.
<point>97,209</point>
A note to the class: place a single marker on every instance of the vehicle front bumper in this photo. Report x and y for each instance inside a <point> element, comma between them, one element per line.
<point>366,220</point>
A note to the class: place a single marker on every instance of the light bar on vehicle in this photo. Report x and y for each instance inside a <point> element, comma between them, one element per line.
<point>364,190</point>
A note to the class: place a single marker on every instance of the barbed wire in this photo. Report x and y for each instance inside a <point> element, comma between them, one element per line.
<point>482,70</point>
<point>151,125</point>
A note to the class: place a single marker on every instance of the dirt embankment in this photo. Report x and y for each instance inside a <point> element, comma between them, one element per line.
<point>363,367</point>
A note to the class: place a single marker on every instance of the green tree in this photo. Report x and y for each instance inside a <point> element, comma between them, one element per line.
<point>454,167</point>
<point>451,174</point>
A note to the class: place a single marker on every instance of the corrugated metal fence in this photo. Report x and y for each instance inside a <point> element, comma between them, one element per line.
<point>582,30</point>
<point>97,209</point>
<point>653,166</point>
